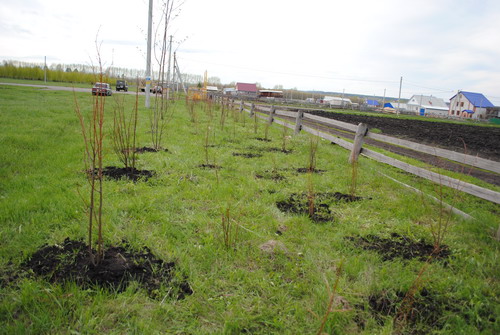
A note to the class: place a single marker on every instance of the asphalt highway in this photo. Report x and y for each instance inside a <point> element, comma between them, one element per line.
<point>64,88</point>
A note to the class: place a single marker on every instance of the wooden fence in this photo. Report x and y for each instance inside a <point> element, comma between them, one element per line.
<point>271,114</point>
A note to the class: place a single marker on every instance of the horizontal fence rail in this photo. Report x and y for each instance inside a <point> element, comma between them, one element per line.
<point>270,114</point>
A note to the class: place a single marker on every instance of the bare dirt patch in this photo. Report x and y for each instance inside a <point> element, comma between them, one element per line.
<point>117,173</point>
<point>300,204</point>
<point>399,246</point>
<point>70,261</point>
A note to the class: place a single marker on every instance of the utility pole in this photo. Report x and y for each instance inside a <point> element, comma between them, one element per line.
<point>176,69</point>
<point>343,91</point>
<point>383,101</point>
<point>168,71</point>
<point>148,55</point>
<point>399,97</point>
<point>45,70</point>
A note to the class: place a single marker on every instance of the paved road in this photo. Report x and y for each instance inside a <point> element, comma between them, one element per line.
<point>64,88</point>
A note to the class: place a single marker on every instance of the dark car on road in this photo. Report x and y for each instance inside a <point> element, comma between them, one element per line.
<point>153,89</point>
<point>101,89</point>
<point>121,85</point>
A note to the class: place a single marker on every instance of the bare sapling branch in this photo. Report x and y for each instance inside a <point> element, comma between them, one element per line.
<point>333,293</point>
<point>313,149</point>
<point>93,136</point>
<point>125,132</point>
<point>229,230</point>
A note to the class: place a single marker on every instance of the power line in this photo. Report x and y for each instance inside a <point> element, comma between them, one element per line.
<point>294,74</point>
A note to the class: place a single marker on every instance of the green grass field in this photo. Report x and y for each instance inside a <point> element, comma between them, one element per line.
<point>178,215</point>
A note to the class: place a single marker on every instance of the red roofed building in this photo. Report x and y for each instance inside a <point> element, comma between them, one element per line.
<point>244,88</point>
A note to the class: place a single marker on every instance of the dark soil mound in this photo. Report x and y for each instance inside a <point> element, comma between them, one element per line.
<point>247,154</point>
<point>71,262</point>
<point>284,151</point>
<point>210,166</point>
<point>307,170</point>
<point>149,149</point>
<point>299,204</point>
<point>270,175</point>
<point>423,313</point>
<point>399,246</point>
<point>116,173</point>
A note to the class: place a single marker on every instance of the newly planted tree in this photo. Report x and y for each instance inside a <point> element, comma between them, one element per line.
<point>162,111</point>
<point>229,230</point>
<point>125,132</point>
<point>93,135</point>
<point>313,150</point>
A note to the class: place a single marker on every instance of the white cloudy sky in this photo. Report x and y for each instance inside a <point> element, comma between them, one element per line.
<point>362,46</point>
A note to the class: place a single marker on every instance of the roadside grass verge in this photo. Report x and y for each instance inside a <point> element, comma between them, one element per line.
<point>177,214</point>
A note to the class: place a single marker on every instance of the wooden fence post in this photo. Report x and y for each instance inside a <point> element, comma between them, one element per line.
<point>298,122</point>
<point>358,142</point>
<point>272,112</point>
<point>241,106</point>
<point>252,112</point>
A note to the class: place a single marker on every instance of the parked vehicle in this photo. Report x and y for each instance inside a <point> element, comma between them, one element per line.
<point>153,89</point>
<point>102,89</point>
<point>121,85</point>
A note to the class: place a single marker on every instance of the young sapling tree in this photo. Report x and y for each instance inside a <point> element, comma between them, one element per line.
<point>125,132</point>
<point>93,135</point>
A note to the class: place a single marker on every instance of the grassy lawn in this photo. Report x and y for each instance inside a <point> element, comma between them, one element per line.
<point>178,215</point>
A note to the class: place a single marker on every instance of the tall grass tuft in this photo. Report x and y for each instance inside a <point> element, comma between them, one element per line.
<point>229,230</point>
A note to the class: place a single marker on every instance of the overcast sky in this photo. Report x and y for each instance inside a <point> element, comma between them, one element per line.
<point>360,46</point>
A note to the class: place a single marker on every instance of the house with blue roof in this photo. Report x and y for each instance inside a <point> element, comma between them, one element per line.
<point>469,105</point>
<point>372,103</point>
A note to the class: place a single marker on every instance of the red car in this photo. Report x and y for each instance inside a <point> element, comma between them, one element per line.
<point>102,89</point>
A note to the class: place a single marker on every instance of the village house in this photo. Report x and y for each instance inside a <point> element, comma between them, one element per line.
<point>428,106</point>
<point>337,101</point>
<point>469,105</point>
<point>246,89</point>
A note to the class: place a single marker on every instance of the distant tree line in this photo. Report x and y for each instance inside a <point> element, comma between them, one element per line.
<point>79,73</point>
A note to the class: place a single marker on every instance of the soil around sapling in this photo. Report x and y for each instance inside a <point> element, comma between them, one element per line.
<point>399,246</point>
<point>270,175</point>
<point>117,173</point>
<point>283,151</point>
<point>210,166</point>
<point>307,170</point>
<point>427,312</point>
<point>149,149</point>
<point>70,261</point>
<point>298,203</point>
<point>246,154</point>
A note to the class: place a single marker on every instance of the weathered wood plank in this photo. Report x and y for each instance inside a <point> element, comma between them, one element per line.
<point>475,190</point>
<point>341,124</point>
<point>444,153</point>
<point>358,142</point>
<point>283,123</point>
<point>298,122</point>
<point>286,113</point>
<point>337,140</point>
<point>445,205</point>
<point>448,154</point>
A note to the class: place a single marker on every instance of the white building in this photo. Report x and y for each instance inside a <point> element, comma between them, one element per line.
<point>469,105</point>
<point>427,105</point>
<point>337,102</point>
